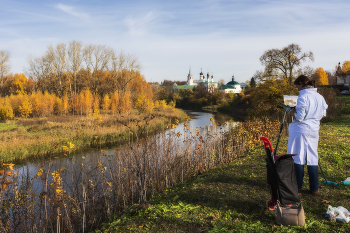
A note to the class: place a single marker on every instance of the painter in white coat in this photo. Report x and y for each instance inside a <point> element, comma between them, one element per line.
<point>303,131</point>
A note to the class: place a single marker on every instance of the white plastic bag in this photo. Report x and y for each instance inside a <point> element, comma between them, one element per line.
<point>345,211</point>
<point>340,213</point>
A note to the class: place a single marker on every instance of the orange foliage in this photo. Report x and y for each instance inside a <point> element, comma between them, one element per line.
<point>321,77</point>
<point>96,102</point>
<point>125,103</point>
<point>114,102</point>
<point>19,84</point>
<point>118,92</point>
<point>36,101</point>
<point>65,104</point>
<point>25,108</point>
<point>106,102</point>
<point>86,100</point>
<point>345,67</point>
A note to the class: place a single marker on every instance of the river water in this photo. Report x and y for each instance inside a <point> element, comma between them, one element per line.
<point>201,122</point>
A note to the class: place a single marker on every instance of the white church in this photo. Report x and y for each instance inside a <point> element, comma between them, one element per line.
<point>208,82</point>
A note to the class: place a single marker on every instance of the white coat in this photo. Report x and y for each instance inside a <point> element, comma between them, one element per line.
<point>303,131</point>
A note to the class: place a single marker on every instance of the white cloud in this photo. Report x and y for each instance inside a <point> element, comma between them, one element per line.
<point>70,10</point>
<point>140,25</point>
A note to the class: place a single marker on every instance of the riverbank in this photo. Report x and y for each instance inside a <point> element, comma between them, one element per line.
<point>232,198</point>
<point>22,138</point>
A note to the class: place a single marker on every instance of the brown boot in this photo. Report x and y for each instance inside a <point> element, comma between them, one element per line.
<point>315,193</point>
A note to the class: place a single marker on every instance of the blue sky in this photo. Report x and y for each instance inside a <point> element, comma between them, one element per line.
<point>168,37</point>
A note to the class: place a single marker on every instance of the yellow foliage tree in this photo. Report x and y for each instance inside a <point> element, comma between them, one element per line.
<point>345,67</point>
<point>162,104</point>
<point>143,104</point>
<point>321,77</point>
<point>264,97</point>
<point>25,108</point>
<point>36,101</point>
<point>125,105</point>
<point>15,102</point>
<point>19,84</point>
<point>58,106</point>
<point>106,102</point>
<point>6,110</point>
<point>75,104</point>
<point>65,104</point>
<point>48,104</point>
<point>114,104</point>
<point>96,102</point>
<point>87,100</point>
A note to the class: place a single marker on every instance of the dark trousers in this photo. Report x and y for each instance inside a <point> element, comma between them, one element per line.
<point>313,176</point>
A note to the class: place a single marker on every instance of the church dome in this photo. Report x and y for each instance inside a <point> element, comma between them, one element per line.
<point>233,82</point>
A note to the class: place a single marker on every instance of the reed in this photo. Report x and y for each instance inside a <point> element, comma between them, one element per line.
<point>78,196</point>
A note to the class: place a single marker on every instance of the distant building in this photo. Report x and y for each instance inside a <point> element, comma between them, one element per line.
<point>191,83</point>
<point>232,86</point>
<point>341,77</point>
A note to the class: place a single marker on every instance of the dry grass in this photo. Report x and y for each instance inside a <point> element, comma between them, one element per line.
<point>25,138</point>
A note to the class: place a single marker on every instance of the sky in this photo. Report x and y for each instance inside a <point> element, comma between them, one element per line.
<point>170,37</point>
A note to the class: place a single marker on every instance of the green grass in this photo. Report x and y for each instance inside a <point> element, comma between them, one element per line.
<point>7,126</point>
<point>232,198</point>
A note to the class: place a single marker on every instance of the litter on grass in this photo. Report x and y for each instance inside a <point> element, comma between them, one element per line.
<point>346,181</point>
<point>338,213</point>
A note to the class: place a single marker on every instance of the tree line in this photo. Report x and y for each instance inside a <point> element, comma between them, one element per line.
<point>74,78</point>
<point>286,63</point>
<point>67,68</point>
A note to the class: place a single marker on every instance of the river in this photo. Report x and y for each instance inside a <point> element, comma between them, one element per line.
<point>202,121</point>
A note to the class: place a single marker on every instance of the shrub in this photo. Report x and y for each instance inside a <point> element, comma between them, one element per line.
<point>6,110</point>
<point>25,109</point>
<point>143,104</point>
<point>334,104</point>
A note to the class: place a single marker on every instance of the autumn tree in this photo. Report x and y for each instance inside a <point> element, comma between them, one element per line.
<point>97,58</point>
<point>39,70</point>
<point>36,101</point>
<point>285,60</point>
<point>320,76</point>
<point>65,104</point>
<point>57,56</point>
<point>87,100</point>
<point>75,58</point>
<point>345,67</point>
<point>144,104</point>
<point>123,68</point>
<point>106,102</point>
<point>4,65</point>
<point>25,108</point>
<point>125,103</point>
<point>6,110</point>
<point>264,97</point>
<point>18,84</point>
<point>114,102</point>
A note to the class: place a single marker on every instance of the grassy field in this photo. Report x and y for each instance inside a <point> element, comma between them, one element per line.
<point>22,138</point>
<point>232,198</point>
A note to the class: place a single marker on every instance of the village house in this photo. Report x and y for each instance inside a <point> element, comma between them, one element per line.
<point>341,77</point>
